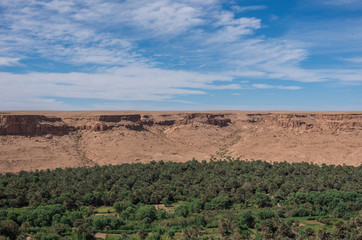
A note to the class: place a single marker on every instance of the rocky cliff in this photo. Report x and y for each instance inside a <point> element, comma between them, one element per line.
<point>311,122</point>
<point>32,125</point>
<point>40,140</point>
<point>37,125</point>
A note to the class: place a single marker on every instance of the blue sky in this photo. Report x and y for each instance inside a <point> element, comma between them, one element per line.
<point>181,55</point>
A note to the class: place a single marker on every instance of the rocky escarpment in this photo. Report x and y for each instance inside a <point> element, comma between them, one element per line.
<point>309,122</point>
<point>32,125</point>
<point>212,119</point>
<point>36,125</point>
<point>72,139</point>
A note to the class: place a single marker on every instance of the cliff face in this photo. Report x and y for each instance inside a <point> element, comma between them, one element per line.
<point>32,125</point>
<point>65,139</point>
<point>37,125</point>
<point>312,122</point>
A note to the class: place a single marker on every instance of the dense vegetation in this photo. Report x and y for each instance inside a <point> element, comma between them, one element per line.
<point>228,199</point>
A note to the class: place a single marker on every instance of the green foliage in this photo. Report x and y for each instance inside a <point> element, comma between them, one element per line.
<point>42,215</point>
<point>247,218</point>
<point>9,228</point>
<point>144,212</point>
<point>196,205</point>
<point>221,203</point>
<point>142,233</point>
<point>83,231</point>
<point>99,223</point>
<point>48,236</point>
<point>128,214</point>
<point>233,199</point>
<point>166,201</point>
<point>225,227</point>
<point>200,220</point>
<point>120,206</point>
<point>265,214</point>
<point>341,209</point>
<point>161,214</point>
<point>262,200</point>
<point>59,228</point>
<point>154,236</point>
<point>191,233</point>
<point>183,210</point>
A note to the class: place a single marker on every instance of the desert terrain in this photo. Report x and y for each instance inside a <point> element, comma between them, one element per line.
<point>42,140</point>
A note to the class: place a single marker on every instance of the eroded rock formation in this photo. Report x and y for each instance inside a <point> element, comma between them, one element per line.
<point>36,125</point>
<point>32,125</point>
<point>35,140</point>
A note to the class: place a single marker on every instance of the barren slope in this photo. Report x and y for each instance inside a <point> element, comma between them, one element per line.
<point>41,140</point>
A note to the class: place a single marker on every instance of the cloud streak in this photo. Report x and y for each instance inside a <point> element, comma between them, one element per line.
<point>6,61</point>
<point>129,83</point>
<point>267,86</point>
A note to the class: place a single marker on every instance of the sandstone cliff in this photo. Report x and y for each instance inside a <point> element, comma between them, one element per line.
<point>40,140</point>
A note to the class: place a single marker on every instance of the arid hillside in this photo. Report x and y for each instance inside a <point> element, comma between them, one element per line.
<point>41,140</point>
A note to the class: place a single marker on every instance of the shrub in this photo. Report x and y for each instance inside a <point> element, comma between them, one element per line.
<point>265,214</point>
<point>247,218</point>
<point>146,212</point>
<point>221,203</point>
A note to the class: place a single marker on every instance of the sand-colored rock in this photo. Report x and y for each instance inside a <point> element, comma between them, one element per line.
<point>41,140</point>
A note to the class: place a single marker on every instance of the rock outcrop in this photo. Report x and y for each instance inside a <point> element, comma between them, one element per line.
<point>311,122</point>
<point>119,118</point>
<point>37,125</point>
<point>32,125</point>
<point>206,118</point>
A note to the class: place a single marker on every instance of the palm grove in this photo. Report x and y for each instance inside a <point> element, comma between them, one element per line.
<point>219,199</point>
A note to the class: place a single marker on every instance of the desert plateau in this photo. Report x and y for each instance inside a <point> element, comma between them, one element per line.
<point>47,140</point>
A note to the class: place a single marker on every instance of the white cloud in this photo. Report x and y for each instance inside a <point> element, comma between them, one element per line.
<point>248,8</point>
<point>343,75</point>
<point>329,35</point>
<point>267,86</point>
<point>270,59</point>
<point>128,83</point>
<point>6,61</point>
<point>233,29</point>
<point>340,3</point>
<point>30,103</point>
<point>353,59</point>
<point>164,17</point>
<point>49,29</point>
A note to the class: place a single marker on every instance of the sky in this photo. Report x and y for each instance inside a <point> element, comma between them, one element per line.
<point>181,55</point>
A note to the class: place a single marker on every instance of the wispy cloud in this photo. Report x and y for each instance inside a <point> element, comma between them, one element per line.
<point>6,61</point>
<point>50,30</point>
<point>164,17</point>
<point>248,8</point>
<point>128,83</point>
<point>339,3</point>
<point>267,86</point>
<point>343,75</point>
<point>329,35</point>
<point>353,59</point>
<point>232,29</point>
